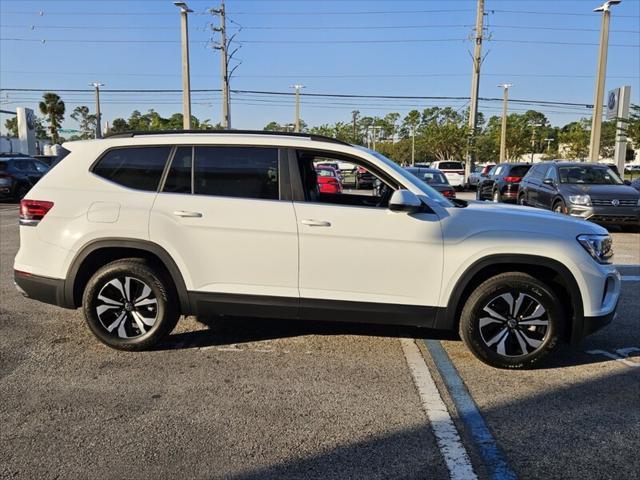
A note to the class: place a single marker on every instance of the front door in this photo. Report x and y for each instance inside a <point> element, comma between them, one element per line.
<point>358,256</point>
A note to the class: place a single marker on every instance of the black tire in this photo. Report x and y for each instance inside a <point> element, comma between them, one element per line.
<point>478,194</point>
<point>522,201</point>
<point>142,327</point>
<point>496,197</point>
<point>559,207</point>
<point>485,335</point>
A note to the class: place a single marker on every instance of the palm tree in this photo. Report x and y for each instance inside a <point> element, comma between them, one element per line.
<point>53,107</point>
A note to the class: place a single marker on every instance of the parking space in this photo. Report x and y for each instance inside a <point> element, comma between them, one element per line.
<point>247,398</point>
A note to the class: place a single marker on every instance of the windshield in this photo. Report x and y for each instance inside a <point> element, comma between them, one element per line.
<point>429,176</point>
<point>589,175</point>
<point>412,179</point>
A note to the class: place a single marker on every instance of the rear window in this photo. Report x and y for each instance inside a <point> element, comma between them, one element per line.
<point>139,168</point>
<point>519,171</point>
<point>450,166</point>
<point>246,172</point>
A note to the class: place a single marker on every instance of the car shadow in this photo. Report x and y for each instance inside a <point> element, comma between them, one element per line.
<point>224,330</point>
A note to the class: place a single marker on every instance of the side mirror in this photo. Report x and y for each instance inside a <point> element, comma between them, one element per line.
<point>548,181</point>
<point>404,201</point>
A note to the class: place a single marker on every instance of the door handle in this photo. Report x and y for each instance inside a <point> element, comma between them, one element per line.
<point>182,213</point>
<point>316,223</point>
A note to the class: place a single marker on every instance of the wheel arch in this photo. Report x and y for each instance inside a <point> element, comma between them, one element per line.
<point>97,253</point>
<point>546,269</point>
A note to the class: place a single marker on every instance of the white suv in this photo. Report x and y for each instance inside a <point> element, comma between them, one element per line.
<point>454,171</point>
<point>138,229</point>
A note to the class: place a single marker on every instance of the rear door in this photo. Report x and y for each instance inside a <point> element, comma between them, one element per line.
<point>226,217</point>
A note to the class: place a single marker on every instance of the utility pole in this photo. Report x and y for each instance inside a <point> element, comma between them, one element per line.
<point>475,86</point>
<point>413,145</point>
<point>354,116</point>
<point>503,134</point>
<point>224,64</point>
<point>186,80</point>
<point>96,86</point>
<point>297,86</point>
<point>596,122</point>
<point>533,138</point>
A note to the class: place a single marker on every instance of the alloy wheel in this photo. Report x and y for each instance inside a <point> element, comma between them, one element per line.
<point>127,307</point>
<point>513,324</point>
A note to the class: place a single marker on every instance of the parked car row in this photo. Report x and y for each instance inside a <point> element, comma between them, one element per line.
<point>18,173</point>
<point>583,190</point>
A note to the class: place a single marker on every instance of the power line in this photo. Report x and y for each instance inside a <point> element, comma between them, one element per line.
<point>290,94</point>
<point>322,75</point>
<point>323,42</point>
<point>555,13</point>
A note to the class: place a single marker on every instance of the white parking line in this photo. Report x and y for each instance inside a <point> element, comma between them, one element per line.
<point>447,437</point>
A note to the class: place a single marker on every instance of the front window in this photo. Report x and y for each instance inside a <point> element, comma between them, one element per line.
<point>589,175</point>
<point>416,182</point>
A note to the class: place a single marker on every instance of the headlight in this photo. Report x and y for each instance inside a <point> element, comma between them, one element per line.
<point>598,246</point>
<point>580,199</point>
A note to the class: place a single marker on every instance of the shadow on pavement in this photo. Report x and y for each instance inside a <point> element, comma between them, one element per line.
<point>233,330</point>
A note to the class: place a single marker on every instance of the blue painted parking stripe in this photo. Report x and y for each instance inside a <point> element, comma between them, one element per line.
<point>492,456</point>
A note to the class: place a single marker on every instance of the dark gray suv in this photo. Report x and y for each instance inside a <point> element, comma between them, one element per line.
<point>583,190</point>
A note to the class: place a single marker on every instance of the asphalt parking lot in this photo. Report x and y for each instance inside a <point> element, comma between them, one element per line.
<point>247,398</point>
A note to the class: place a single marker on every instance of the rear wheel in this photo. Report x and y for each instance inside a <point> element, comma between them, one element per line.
<point>522,201</point>
<point>130,305</point>
<point>512,321</point>
<point>496,196</point>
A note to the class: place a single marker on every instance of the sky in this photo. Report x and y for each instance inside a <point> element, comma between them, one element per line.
<point>546,48</point>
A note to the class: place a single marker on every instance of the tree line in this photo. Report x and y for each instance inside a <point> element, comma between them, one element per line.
<point>435,133</point>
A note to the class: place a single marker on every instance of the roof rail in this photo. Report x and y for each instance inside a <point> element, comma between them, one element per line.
<point>318,138</point>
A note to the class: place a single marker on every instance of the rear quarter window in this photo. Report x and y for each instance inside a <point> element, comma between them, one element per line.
<point>139,168</point>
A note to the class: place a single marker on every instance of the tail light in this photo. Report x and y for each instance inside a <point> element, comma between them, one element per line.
<point>32,211</point>
<point>449,193</point>
<point>512,179</point>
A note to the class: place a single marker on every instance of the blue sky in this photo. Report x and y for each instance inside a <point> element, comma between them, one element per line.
<point>328,46</point>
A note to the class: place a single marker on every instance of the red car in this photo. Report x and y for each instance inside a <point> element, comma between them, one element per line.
<point>328,180</point>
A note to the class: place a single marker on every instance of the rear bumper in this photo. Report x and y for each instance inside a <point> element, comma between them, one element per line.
<point>43,289</point>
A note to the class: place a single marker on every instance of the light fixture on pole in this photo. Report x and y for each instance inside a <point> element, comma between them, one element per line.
<point>596,122</point>
<point>186,80</point>
<point>298,87</point>
<point>503,134</point>
<point>96,86</point>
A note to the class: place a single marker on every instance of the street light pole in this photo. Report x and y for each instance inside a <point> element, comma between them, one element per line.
<point>503,134</point>
<point>186,80</point>
<point>297,87</point>
<point>596,122</point>
<point>96,86</point>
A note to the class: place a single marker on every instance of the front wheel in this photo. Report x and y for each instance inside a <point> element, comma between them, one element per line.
<point>130,305</point>
<point>512,321</point>
<point>496,196</point>
<point>522,201</point>
<point>559,207</point>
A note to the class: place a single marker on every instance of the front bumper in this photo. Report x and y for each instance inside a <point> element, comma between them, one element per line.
<point>593,324</point>
<point>607,215</point>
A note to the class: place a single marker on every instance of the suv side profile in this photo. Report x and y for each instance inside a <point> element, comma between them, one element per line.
<point>502,182</point>
<point>583,190</point>
<point>138,229</point>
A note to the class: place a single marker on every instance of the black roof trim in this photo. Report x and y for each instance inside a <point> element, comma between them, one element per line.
<point>318,138</point>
